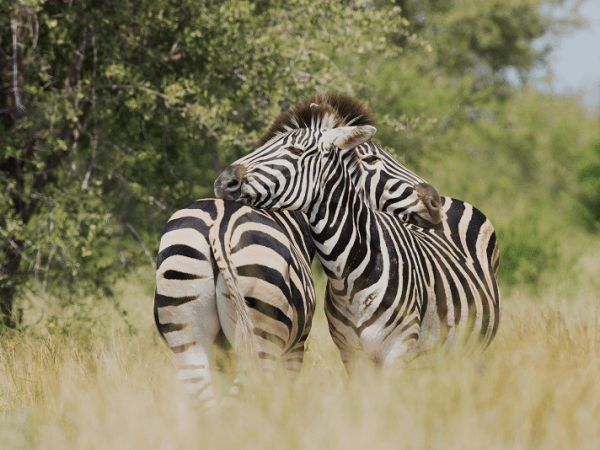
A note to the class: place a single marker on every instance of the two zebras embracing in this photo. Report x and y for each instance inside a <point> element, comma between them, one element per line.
<point>408,270</point>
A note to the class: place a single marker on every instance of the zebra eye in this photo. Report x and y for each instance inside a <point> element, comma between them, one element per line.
<point>371,159</point>
<point>295,150</point>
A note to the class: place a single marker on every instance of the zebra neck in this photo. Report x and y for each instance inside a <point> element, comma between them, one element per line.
<point>343,227</point>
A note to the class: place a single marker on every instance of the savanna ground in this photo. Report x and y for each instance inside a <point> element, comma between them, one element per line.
<point>112,389</point>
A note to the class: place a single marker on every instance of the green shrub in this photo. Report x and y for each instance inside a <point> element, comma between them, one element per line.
<point>526,252</point>
<point>590,189</point>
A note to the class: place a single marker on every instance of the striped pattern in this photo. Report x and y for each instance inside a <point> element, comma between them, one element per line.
<point>466,289</point>
<point>226,270</point>
<point>396,290</point>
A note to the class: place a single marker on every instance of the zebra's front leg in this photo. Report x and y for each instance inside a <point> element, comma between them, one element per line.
<point>348,345</point>
<point>344,336</point>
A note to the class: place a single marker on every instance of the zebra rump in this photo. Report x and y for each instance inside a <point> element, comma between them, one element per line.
<point>227,270</point>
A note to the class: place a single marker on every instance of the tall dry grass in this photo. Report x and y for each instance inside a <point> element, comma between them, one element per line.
<point>538,388</point>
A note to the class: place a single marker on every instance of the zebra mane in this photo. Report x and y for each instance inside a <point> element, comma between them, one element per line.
<point>320,112</point>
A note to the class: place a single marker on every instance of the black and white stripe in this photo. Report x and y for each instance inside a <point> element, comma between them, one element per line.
<point>407,270</point>
<point>227,269</point>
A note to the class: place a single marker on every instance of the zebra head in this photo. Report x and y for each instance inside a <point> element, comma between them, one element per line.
<point>283,173</point>
<point>387,185</point>
<point>301,143</point>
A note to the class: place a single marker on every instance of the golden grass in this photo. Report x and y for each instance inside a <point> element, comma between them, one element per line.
<point>539,388</point>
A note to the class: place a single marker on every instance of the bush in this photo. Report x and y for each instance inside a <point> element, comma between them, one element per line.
<point>526,251</point>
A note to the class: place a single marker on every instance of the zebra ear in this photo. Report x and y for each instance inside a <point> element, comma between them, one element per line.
<point>346,138</point>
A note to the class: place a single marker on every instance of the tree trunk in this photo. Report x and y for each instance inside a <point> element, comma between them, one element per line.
<point>8,287</point>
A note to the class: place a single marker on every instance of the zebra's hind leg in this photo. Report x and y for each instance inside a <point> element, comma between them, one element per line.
<point>292,360</point>
<point>263,356</point>
<point>258,371</point>
<point>194,367</point>
<point>189,330</point>
<point>185,310</point>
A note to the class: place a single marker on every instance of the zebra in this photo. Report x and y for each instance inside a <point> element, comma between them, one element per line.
<point>227,270</point>
<point>213,253</point>
<point>396,289</point>
<point>221,263</point>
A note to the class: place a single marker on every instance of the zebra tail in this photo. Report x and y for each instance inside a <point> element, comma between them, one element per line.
<point>245,344</point>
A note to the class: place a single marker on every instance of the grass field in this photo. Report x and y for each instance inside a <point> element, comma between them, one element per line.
<point>539,388</point>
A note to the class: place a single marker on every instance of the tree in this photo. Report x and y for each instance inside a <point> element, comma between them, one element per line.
<point>116,113</point>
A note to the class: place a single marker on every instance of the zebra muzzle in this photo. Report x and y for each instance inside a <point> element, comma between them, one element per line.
<point>228,185</point>
<point>433,204</point>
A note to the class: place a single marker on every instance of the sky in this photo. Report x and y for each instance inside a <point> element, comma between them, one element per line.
<point>574,63</point>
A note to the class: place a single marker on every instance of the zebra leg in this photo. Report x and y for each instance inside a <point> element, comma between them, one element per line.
<point>344,336</point>
<point>292,360</point>
<point>263,354</point>
<point>349,347</point>
<point>191,341</point>
<point>228,319</point>
<point>186,315</point>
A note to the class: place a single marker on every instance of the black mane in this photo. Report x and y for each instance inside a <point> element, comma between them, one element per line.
<point>334,110</point>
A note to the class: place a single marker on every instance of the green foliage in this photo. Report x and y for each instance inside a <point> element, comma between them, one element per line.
<point>125,111</point>
<point>479,33</point>
<point>451,75</point>
<point>526,252</point>
<point>589,175</point>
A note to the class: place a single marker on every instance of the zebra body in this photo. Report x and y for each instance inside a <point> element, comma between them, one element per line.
<point>454,297</point>
<point>397,285</point>
<point>227,268</point>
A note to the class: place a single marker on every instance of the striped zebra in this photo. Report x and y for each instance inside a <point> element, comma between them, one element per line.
<point>227,269</point>
<point>395,289</point>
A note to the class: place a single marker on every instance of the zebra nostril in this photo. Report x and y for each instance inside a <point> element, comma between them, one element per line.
<point>233,184</point>
<point>228,185</point>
